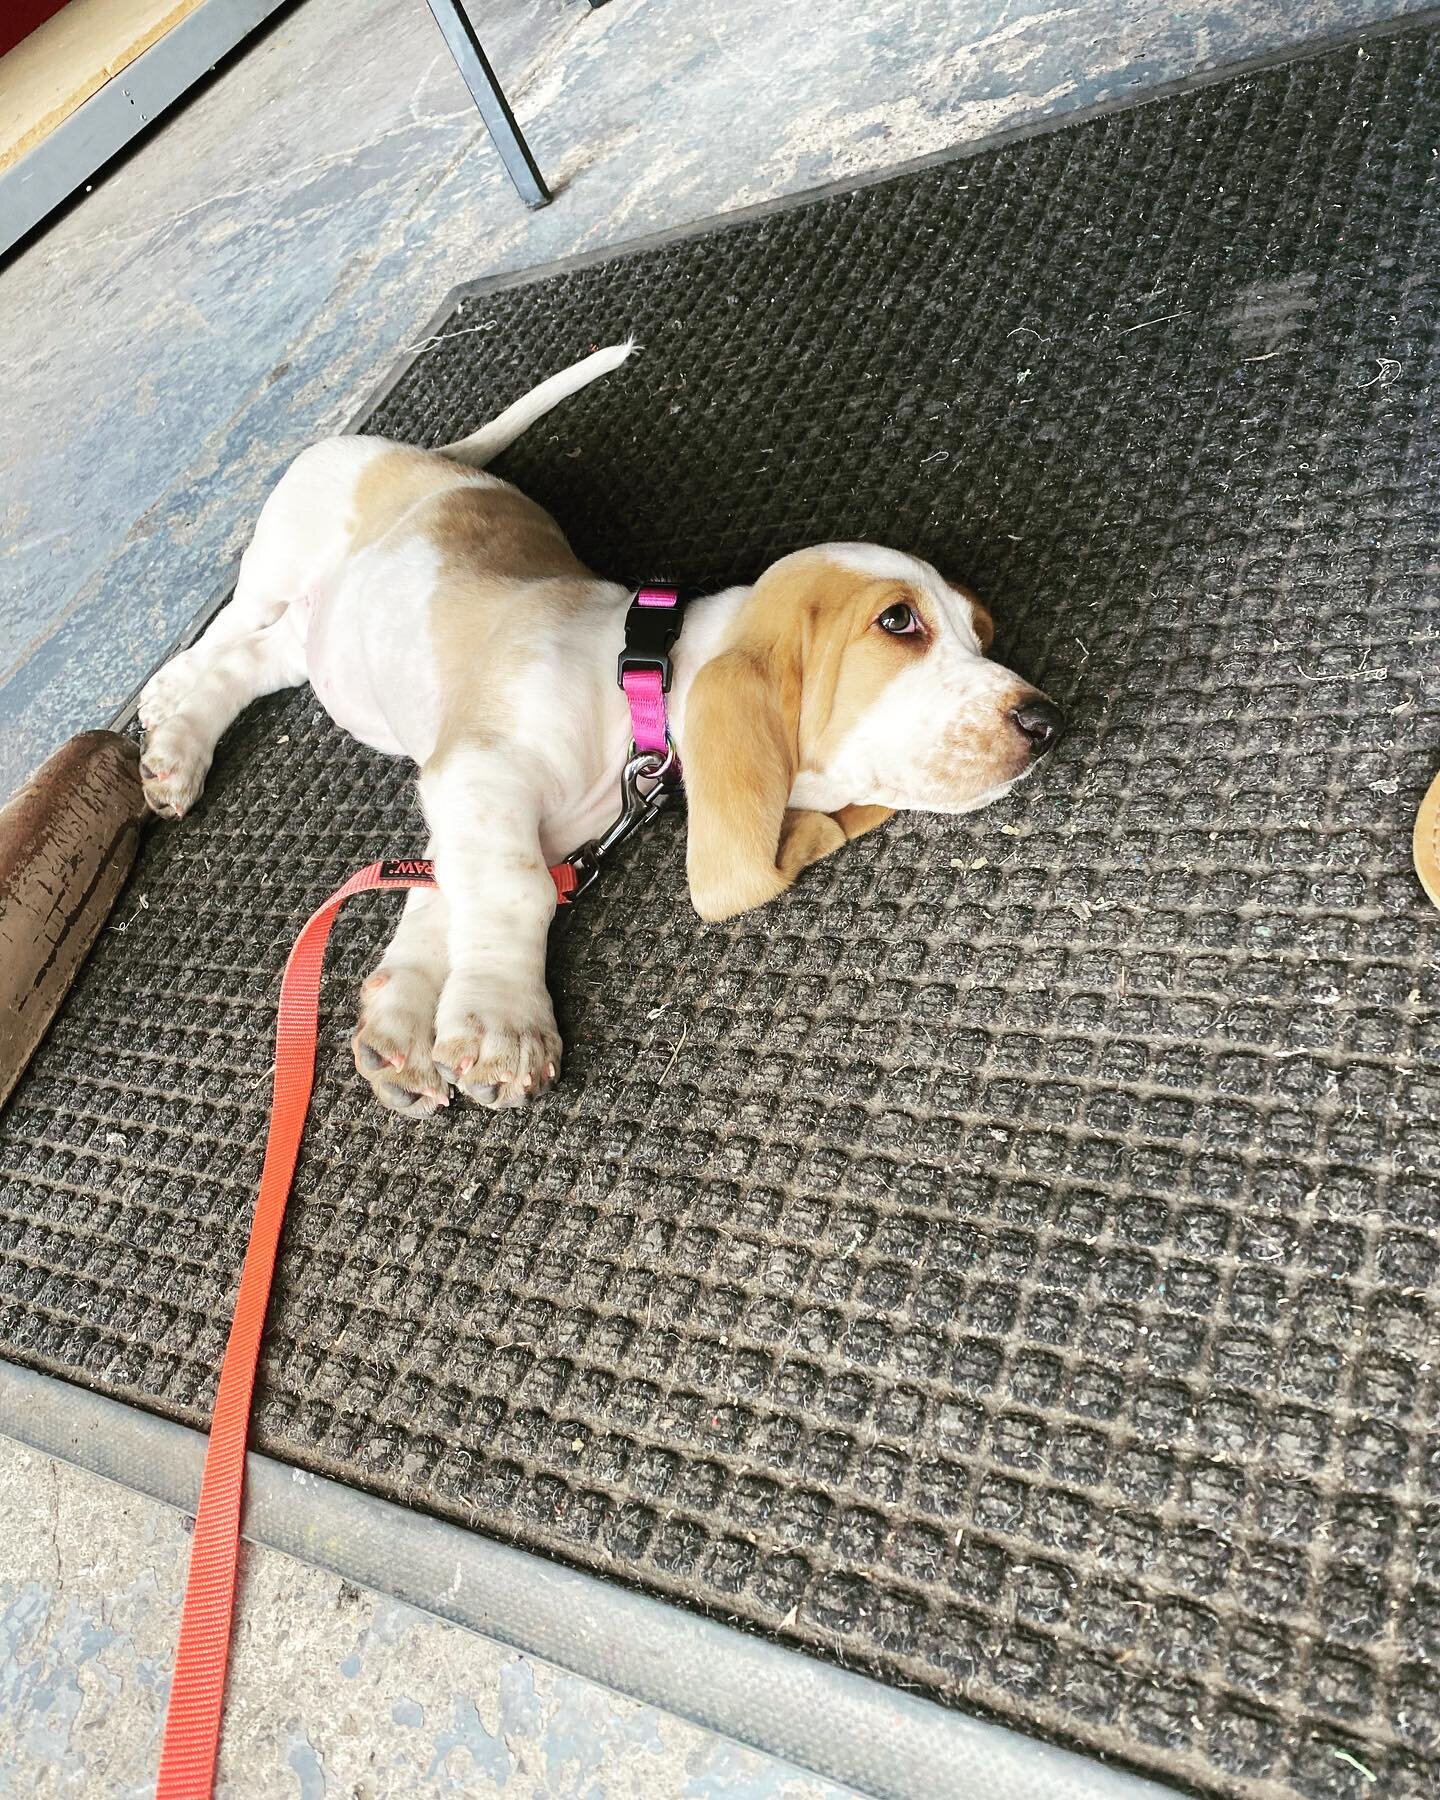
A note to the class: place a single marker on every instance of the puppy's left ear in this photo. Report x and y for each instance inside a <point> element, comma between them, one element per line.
<point>739,751</point>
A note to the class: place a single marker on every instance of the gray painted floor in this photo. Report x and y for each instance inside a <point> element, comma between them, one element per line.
<point>333,1690</point>
<point>235,288</point>
<point>228,294</point>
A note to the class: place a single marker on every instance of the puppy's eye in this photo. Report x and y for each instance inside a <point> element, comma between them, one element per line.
<point>900,620</point>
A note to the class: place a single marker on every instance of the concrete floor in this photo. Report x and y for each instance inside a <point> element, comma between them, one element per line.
<point>333,1690</point>
<point>228,294</point>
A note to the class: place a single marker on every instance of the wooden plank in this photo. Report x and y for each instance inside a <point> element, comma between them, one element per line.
<point>23,17</point>
<point>55,70</point>
<point>83,143</point>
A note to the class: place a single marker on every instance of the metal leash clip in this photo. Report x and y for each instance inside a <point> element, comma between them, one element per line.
<point>639,804</point>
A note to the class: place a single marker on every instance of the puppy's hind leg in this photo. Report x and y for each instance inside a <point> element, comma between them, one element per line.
<point>395,1036</point>
<point>216,681</point>
<point>264,588</point>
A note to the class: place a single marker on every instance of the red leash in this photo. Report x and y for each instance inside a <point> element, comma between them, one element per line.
<point>197,1692</point>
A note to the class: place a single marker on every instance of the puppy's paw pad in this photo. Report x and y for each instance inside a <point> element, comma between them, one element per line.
<point>172,772</point>
<point>497,1063</point>
<point>400,1070</point>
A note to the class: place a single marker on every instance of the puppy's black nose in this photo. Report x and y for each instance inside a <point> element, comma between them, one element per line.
<point>1041,723</point>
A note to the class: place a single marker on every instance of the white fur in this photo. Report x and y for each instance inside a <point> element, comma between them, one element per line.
<point>357,637</point>
<point>459,998</point>
<point>483,446</point>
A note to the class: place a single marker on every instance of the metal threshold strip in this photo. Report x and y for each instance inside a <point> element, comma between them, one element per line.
<point>844,1727</point>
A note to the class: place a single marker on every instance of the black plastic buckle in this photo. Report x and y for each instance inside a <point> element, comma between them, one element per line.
<point>650,634</point>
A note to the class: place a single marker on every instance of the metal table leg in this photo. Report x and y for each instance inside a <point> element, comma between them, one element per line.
<point>494,108</point>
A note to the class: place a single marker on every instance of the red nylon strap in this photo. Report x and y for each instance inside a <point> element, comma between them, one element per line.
<point>197,1691</point>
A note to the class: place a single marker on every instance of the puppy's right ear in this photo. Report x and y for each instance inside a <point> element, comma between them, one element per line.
<point>739,752</point>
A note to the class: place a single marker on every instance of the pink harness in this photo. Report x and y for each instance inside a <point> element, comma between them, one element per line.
<point>652,770</point>
<point>651,628</point>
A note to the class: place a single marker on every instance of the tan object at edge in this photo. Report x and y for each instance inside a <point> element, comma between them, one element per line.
<point>1427,841</point>
<point>67,841</point>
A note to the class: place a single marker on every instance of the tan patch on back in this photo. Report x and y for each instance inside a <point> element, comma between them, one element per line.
<point>390,484</point>
<point>507,574</point>
<point>493,530</point>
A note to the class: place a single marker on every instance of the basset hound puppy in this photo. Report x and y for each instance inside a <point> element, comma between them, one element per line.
<point>440,615</point>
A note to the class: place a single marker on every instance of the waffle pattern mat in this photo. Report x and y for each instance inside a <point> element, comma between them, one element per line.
<point>1009,1264</point>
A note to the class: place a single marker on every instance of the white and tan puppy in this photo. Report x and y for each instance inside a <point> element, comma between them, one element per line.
<point>440,615</point>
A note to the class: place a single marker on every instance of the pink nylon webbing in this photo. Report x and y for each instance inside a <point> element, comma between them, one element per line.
<point>643,687</point>
<point>646,695</point>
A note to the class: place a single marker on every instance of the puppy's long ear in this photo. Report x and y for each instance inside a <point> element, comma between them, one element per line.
<point>739,751</point>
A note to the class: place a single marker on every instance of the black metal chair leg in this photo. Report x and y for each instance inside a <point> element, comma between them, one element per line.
<point>494,108</point>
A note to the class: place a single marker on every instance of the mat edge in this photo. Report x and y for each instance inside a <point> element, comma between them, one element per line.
<point>809,1713</point>
<point>1426,19</point>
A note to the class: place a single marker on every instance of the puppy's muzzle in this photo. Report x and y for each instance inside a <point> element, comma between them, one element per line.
<point>1040,722</point>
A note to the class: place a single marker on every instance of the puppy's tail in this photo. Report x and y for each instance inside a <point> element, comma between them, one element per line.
<point>482,446</point>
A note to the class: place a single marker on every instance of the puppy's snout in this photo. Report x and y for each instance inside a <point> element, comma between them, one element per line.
<point>1040,722</point>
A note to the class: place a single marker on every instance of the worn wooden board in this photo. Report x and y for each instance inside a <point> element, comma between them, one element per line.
<point>55,70</point>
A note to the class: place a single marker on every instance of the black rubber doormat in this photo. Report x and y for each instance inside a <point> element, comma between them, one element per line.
<point>1009,1264</point>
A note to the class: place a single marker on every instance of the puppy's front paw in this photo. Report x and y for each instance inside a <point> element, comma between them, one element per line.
<point>496,1052</point>
<point>165,692</point>
<point>173,768</point>
<point>392,1043</point>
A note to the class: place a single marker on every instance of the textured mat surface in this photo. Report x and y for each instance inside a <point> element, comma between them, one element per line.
<point>1009,1264</point>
